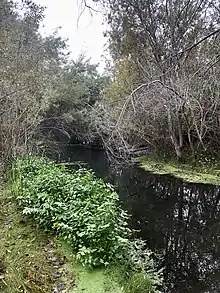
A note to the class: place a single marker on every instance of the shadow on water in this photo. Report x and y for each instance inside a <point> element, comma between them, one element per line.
<point>96,159</point>
<point>180,219</point>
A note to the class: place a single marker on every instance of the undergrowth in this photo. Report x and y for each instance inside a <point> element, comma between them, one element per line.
<point>25,251</point>
<point>84,211</point>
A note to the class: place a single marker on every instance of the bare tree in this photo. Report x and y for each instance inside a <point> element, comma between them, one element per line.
<point>174,102</point>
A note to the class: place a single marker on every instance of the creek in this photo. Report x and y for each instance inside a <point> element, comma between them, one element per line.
<point>178,219</point>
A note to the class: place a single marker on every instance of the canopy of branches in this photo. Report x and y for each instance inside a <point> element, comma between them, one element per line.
<point>162,94</point>
<point>172,48</point>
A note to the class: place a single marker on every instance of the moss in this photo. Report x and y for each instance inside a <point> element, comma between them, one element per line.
<point>103,280</point>
<point>114,279</point>
<point>201,172</point>
<point>95,281</point>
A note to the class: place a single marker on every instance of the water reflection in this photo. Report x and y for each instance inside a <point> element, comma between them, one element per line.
<point>180,219</point>
<point>96,159</point>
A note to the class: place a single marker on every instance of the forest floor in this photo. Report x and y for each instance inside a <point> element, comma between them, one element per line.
<point>32,261</point>
<point>201,171</point>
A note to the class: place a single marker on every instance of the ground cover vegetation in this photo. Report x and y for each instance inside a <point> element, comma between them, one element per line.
<point>30,260</point>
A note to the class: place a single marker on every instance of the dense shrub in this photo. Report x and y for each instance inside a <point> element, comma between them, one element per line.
<point>79,207</point>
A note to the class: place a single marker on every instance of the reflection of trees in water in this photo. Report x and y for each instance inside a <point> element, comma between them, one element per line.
<point>182,219</point>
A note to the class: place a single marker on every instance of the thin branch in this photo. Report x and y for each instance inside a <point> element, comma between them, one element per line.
<point>89,7</point>
<point>194,45</point>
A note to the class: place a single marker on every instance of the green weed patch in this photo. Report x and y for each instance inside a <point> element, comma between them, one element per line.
<point>78,207</point>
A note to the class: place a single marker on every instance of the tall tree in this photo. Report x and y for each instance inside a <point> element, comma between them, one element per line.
<point>29,66</point>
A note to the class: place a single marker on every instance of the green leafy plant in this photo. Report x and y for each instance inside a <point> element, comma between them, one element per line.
<point>79,207</point>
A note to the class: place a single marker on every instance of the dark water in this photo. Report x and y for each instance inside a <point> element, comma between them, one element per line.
<point>180,219</point>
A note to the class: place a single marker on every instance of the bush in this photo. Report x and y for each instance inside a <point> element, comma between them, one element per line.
<point>76,205</point>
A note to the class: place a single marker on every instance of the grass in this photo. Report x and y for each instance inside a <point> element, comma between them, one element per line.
<point>28,258</point>
<point>201,171</point>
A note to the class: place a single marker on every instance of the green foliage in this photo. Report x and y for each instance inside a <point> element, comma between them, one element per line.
<point>79,207</point>
<point>134,281</point>
<point>77,90</point>
<point>29,67</point>
<point>139,283</point>
<point>79,85</point>
<point>83,210</point>
<point>126,79</point>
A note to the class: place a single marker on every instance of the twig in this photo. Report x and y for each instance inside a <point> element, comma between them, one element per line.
<point>194,45</point>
